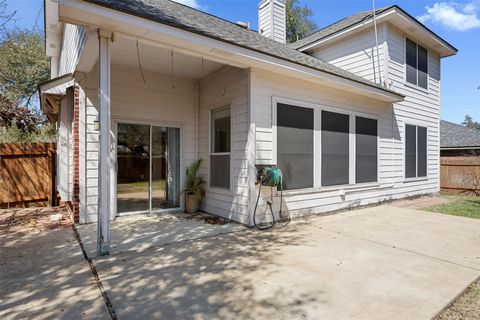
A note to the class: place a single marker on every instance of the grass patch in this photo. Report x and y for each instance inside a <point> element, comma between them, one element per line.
<point>141,186</point>
<point>459,205</point>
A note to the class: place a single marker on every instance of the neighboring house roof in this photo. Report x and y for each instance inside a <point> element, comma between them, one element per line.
<point>186,18</point>
<point>336,26</point>
<point>453,135</point>
<point>358,18</point>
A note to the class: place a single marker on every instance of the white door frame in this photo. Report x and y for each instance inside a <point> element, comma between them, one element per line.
<point>151,124</point>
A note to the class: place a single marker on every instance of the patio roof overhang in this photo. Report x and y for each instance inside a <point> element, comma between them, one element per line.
<point>51,93</point>
<point>91,15</point>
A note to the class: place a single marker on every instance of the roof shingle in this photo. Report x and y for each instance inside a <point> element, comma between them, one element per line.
<point>453,135</point>
<point>336,26</point>
<point>186,18</point>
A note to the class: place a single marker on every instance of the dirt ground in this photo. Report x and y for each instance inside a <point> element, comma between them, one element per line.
<point>22,221</point>
<point>466,307</point>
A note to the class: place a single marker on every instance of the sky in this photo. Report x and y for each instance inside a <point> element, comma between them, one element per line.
<point>458,22</point>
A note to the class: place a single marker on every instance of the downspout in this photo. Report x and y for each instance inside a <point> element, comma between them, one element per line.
<point>376,43</point>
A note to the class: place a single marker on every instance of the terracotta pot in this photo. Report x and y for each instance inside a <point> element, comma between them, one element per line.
<point>191,203</point>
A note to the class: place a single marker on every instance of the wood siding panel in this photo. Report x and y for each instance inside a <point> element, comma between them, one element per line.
<point>73,41</point>
<point>227,86</point>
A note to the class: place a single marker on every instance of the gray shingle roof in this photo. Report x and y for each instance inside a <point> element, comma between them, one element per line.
<point>337,26</point>
<point>453,135</point>
<point>183,17</point>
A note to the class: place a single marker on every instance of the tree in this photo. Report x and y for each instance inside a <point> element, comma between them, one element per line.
<point>5,16</point>
<point>23,66</point>
<point>299,21</point>
<point>469,123</point>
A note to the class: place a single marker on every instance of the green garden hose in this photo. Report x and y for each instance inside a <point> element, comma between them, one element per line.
<point>272,177</point>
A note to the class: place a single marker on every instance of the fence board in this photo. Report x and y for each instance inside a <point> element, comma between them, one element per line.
<point>460,173</point>
<point>27,173</point>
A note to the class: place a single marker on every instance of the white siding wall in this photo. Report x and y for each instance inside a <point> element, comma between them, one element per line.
<point>227,87</point>
<point>72,44</point>
<point>358,54</point>
<point>420,107</point>
<point>156,102</point>
<point>272,19</point>
<point>317,200</point>
<point>65,149</point>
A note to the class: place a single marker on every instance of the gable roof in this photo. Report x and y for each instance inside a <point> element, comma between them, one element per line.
<point>336,26</point>
<point>453,135</point>
<point>360,17</point>
<point>186,18</point>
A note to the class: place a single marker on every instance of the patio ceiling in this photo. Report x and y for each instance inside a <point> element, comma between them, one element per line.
<point>132,53</point>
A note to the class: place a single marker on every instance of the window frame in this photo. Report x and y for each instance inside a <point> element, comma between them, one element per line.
<point>317,139</point>
<point>211,109</point>
<point>406,82</point>
<point>416,178</point>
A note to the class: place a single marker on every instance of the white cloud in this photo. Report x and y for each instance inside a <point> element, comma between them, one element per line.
<point>190,3</point>
<point>452,15</point>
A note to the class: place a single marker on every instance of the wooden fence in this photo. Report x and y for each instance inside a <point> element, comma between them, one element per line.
<point>27,174</point>
<point>460,174</point>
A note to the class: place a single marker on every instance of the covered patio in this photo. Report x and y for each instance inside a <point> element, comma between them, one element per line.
<point>155,101</point>
<point>141,232</point>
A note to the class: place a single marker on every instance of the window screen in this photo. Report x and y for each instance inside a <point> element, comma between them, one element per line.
<point>295,146</point>
<point>417,64</point>
<point>366,150</point>
<point>411,61</point>
<point>220,148</point>
<point>422,151</point>
<point>410,151</point>
<point>335,148</point>
<point>415,151</point>
<point>422,67</point>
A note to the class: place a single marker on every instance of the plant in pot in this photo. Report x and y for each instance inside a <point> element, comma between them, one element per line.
<point>194,191</point>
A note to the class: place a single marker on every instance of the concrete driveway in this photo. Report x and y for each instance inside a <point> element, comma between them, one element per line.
<point>375,263</point>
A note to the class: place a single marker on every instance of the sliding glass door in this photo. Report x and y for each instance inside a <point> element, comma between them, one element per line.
<point>148,176</point>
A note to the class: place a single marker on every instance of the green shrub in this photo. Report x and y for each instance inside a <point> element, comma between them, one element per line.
<point>46,133</point>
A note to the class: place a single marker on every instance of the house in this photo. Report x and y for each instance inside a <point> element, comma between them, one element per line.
<point>459,158</point>
<point>458,140</point>
<point>140,89</point>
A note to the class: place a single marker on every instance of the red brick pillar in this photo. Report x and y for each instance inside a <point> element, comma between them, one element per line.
<point>76,153</point>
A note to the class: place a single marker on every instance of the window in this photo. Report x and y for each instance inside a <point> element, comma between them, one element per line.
<point>415,151</point>
<point>417,64</point>
<point>295,146</point>
<point>365,150</point>
<point>220,148</point>
<point>335,148</point>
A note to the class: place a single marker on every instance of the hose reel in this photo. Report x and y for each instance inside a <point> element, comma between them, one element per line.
<point>270,176</point>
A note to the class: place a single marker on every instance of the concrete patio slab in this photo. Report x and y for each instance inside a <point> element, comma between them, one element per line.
<point>419,203</point>
<point>375,263</point>
<point>141,232</point>
<point>43,275</point>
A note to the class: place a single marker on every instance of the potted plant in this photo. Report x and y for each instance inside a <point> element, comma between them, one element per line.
<point>194,187</point>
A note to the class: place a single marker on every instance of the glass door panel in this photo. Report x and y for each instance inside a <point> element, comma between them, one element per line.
<point>165,167</point>
<point>133,160</point>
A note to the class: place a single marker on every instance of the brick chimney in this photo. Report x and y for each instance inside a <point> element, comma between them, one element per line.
<point>272,20</point>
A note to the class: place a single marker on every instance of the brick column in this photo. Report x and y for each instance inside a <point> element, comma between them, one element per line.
<point>76,154</point>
